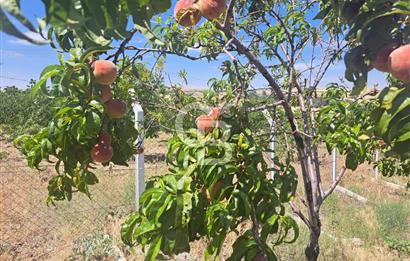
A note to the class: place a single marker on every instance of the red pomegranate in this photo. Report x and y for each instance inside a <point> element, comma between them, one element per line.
<point>381,62</point>
<point>116,109</point>
<point>105,72</point>
<point>399,63</point>
<point>205,123</point>
<point>211,9</point>
<point>186,13</point>
<point>105,138</point>
<point>215,113</point>
<point>101,153</point>
<point>106,93</point>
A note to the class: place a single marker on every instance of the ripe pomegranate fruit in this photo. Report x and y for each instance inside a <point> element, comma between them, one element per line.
<point>106,93</point>
<point>105,138</point>
<point>116,109</point>
<point>205,123</point>
<point>211,9</point>
<point>101,153</point>
<point>186,13</point>
<point>399,63</point>
<point>215,113</point>
<point>381,62</point>
<point>105,72</point>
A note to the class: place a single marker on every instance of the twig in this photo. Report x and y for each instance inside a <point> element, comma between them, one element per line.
<point>265,107</point>
<point>229,12</point>
<point>335,183</point>
<point>299,213</point>
<point>121,48</point>
<point>165,51</point>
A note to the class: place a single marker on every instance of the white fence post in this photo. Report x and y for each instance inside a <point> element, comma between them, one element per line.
<point>139,157</point>
<point>376,169</point>
<point>272,141</point>
<point>272,147</point>
<point>334,159</point>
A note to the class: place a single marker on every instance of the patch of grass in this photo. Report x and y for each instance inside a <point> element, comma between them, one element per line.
<point>394,226</point>
<point>294,251</point>
<point>128,196</point>
<point>97,246</point>
<point>3,155</point>
<point>401,246</point>
<point>393,219</point>
<point>347,219</point>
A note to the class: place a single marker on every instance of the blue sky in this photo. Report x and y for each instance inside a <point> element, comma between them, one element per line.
<point>21,61</point>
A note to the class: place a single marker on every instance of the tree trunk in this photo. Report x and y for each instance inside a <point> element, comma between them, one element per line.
<point>313,205</point>
<point>312,250</point>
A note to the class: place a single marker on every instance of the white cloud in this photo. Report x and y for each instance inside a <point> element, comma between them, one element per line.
<point>302,66</point>
<point>194,50</point>
<point>11,54</point>
<point>35,36</point>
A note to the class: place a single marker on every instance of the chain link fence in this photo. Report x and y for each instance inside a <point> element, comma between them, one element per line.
<point>83,227</point>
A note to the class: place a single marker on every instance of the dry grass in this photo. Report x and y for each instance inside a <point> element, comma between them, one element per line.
<point>31,230</point>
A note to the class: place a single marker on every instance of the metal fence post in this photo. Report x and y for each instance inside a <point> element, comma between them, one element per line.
<point>272,141</point>
<point>334,158</point>
<point>139,157</point>
<point>272,147</point>
<point>376,169</point>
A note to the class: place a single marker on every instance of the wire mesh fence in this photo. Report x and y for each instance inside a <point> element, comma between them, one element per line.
<point>29,229</point>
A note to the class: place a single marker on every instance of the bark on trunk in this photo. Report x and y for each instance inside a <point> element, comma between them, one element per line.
<point>312,250</point>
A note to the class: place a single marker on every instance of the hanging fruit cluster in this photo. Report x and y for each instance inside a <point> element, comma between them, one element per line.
<point>380,34</point>
<point>206,123</point>
<point>88,124</point>
<point>188,13</point>
<point>105,73</point>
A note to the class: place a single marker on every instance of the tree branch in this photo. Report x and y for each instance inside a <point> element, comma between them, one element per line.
<point>335,183</point>
<point>121,48</point>
<point>265,107</point>
<point>299,213</point>
<point>275,87</point>
<point>229,13</point>
<point>164,51</point>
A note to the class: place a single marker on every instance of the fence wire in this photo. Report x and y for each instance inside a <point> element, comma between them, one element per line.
<point>29,229</point>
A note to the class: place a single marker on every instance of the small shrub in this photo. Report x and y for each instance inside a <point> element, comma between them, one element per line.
<point>401,246</point>
<point>97,246</point>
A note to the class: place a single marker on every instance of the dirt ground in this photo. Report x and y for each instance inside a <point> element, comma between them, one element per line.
<point>30,230</point>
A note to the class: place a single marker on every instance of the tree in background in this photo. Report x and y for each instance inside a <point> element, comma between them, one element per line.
<point>218,176</point>
<point>20,113</point>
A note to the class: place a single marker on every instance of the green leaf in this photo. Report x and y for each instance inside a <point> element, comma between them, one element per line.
<point>351,161</point>
<point>154,248</point>
<point>8,27</point>
<point>128,227</point>
<point>147,194</point>
<point>290,224</point>
<point>48,72</point>
<point>245,204</point>
<point>90,178</point>
<point>93,50</point>
<point>13,7</point>
<point>160,6</point>
<point>93,123</point>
